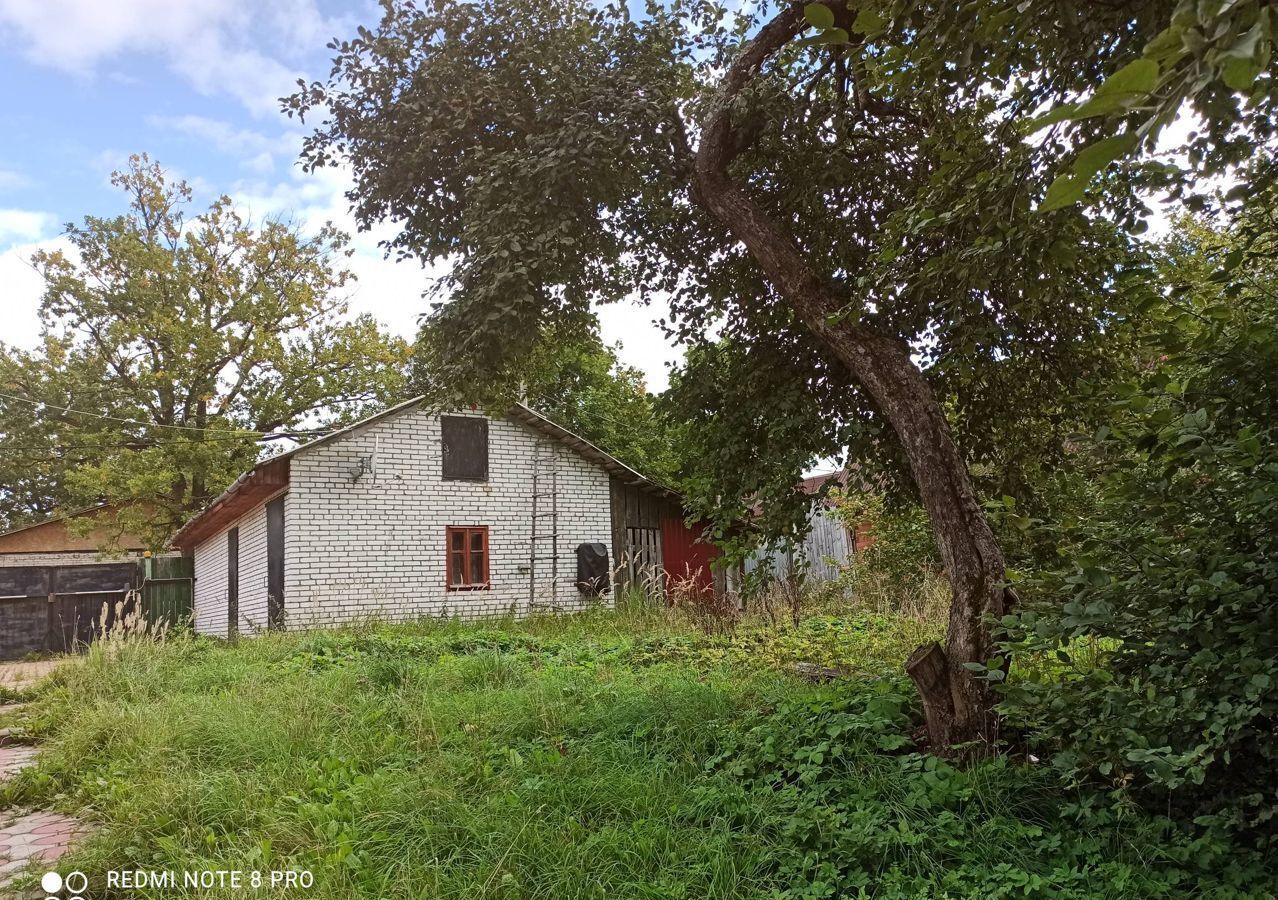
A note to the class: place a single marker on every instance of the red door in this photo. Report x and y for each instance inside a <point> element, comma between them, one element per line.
<point>686,557</point>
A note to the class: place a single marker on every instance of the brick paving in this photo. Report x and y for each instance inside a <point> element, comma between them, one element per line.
<point>14,758</point>
<point>28,837</point>
<point>42,836</point>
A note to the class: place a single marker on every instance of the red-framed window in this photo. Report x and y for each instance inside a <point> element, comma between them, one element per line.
<point>467,557</point>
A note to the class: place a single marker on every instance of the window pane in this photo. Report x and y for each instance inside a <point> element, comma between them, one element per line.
<point>477,541</point>
<point>459,568</point>
<point>476,568</point>
<point>458,538</point>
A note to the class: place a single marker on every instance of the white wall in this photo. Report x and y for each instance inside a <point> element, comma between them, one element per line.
<point>376,546</point>
<point>211,581</point>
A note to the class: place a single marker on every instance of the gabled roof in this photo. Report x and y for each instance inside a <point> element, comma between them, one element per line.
<point>56,517</point>
<point>270,476</point>
<point>51,535</point>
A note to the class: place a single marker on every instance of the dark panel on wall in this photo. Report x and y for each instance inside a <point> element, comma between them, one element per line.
<point>24,581</point>
<point>232,582</point>
<point>24,627</point>
<point>275,563</point>
<point>465,447</point>
<point>61,608</point>
<point>592,569</point>
<point>104,577</point>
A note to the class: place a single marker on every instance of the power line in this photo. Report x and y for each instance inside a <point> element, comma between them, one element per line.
<point>143,424</point>
<point>147,445</point>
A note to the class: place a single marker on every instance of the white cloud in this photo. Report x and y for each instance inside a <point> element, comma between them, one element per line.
<point>643,345</point>
<point>255,150</point>
<point>22,289</point>
<point>212,66</point>
<point>12,181</point>
<point>214,44</point>
<point>23,225</point>
<point>75,35</point>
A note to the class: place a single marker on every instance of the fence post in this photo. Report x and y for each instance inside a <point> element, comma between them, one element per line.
<point>51,583</point>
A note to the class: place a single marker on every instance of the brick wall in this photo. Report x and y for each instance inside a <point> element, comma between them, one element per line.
<point>375,547</point>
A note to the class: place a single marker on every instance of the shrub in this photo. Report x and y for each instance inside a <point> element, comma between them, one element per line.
<point>1176,575</point>
<point>845,808</point>
<point>900,555</point>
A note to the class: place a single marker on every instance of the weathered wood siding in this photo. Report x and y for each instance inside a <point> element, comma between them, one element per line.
<point>637,555</point>
<point>826,546</point>
<point>819,556</point>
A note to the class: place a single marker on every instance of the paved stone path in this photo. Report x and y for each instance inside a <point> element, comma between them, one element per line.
<point>42,836</point>
<point>28,836</point>
<point>21,675</point>
<point>14,758</point>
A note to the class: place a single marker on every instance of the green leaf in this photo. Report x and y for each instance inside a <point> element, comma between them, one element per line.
<point>1066,190</point>
<point>869,23</point>
<point>818,15</point>
<point>1122,90</point>
<point>1140,76</point>
<point>1241,74</point>
<point>1094,157</point>
<point>1062,113</point>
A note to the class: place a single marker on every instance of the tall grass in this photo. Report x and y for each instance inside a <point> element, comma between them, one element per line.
<point>608,754</point>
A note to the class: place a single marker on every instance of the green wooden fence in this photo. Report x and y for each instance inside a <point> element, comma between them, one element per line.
<point>168,589</point>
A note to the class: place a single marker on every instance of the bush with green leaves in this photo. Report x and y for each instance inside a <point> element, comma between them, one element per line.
<point>900,550</point>
<point>1177,572</point>
<point>832,788</point>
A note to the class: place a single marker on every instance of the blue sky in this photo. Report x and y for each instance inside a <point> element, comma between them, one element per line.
<point>194,83</point>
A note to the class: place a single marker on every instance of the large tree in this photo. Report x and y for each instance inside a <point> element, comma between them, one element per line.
<point>851,214</point>
<point>174,351</point>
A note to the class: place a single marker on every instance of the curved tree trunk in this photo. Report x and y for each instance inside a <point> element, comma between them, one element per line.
<point>959,707</point>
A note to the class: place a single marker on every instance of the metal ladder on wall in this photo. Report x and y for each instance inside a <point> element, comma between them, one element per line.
<point>543,547</point>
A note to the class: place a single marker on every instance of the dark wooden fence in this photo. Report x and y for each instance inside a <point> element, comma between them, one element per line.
<point>59,609</point>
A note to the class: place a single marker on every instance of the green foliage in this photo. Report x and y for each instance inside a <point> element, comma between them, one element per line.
<point>1176,572</point>
<point>555,171</point>
<point>193,337</point>
<point>1112,78</point>
<point>611,754</point>
<point>844,808</point>
<point>570,376</point>
<point>1211,56</point>
<point>901,551</point>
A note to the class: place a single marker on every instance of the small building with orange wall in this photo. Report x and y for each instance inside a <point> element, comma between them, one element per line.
<point>54,542</point>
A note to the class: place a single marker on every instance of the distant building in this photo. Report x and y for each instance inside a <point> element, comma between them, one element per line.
<point>412,513</point>
<point>828,544</point>
<point>51,542</point>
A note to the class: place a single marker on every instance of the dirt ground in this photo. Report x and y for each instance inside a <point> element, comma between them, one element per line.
<point>21,675</point>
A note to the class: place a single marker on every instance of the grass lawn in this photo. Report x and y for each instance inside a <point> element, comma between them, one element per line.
<point>604,755</point>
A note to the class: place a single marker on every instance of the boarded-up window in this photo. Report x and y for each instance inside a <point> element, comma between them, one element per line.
<point>467,558</point>
<point>465,440</point>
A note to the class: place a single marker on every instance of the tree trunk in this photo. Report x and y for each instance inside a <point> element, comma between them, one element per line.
<point>959,706</point>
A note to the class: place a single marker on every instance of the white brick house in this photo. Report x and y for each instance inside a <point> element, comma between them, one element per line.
<point>412,514</point>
